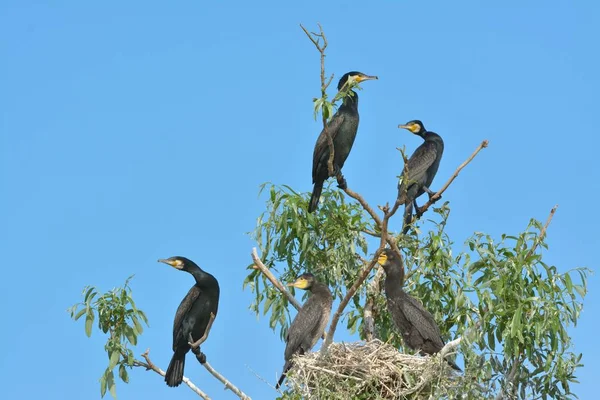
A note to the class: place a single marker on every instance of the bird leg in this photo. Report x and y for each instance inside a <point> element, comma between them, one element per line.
<point>195,346</point>
<point>340,178</point>
<point>429,192</point>
<point>419,210</point>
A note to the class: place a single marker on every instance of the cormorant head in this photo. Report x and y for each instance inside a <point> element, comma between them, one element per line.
<point>304,282</point>
<point>180,263</point>
<point>415,126</point>
<point>389,260</point>
<point>358,77</point>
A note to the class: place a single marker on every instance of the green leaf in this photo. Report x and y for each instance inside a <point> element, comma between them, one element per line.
<point>110,382</point>
<point>114,359</point>
<point>79,314</point>
<point>89,320</point>
<point>130,335</point>
<point>103,384</point>
<point>138,327</point>
<point>123,373</point>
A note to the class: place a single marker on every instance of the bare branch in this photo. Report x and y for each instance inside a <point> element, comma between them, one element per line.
<point>228,385</point>
<point>438,194</point>
<point>450,347</point>
<point>149,365</point>
<point>370,312</point>
<point>543,231</point>
<point>365,271</point>
<point>259,265</point>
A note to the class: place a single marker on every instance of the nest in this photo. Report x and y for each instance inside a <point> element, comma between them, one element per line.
<point>370,370</point>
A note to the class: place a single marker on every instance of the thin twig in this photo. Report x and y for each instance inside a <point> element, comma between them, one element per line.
<point>439,193</point>
<point>314,38</point>
<point>259,265</point>
<point>543,231</point>
<point>149,365</point>
<point>228,385</point>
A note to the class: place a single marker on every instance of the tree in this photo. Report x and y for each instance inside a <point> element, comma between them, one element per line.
<point>507,311</point>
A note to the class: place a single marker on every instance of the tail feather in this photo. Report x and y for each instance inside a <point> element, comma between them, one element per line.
<point>408,211</point>
<point>316,195</point>
<point>286,368</point>
<point>174,374</point>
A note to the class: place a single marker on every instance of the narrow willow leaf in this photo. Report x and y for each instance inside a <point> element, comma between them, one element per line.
<point>110,382</point>
<point>123,373</point>
<point>103,385</point>
<point>89,320</point>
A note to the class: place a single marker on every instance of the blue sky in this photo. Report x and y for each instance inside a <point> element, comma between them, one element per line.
<point>139,130</point>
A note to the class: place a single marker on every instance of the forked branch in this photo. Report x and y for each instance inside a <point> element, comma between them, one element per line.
<point>150,366</point>
<point>439,193</point>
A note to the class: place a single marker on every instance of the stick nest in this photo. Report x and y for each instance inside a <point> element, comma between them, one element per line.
<point>369,370</point>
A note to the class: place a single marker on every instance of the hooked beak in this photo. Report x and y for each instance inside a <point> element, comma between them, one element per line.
<point>173,263</point>
<point>363,78</point>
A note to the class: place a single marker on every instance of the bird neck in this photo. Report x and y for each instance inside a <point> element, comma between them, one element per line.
<point>394,279</point>
<point>199,275</point>
<point>320,288</point>
<point>350,101</point>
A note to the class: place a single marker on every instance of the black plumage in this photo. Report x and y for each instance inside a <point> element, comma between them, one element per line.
<point>422,167</point>
<point>417,326</point>
<point>310,322</point>
<point>342,128</point>
<point>192,316</point>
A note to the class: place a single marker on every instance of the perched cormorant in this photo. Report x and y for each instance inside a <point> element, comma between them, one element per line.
<point>310,322</point>
<point>415,323</point>
<point>192,316</point>
<point>342,128</point>
<point>422,167</point>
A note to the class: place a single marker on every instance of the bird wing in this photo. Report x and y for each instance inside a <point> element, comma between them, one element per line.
<point>321,152</point>
<point>422,320</point>
<point>304,331</point>
<point>420,161</point>
<point>184,308</point>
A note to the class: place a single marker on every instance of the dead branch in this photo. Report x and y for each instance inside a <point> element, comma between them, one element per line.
<point>259,265</point>
<point>370,312</point>
<point>228,385</point>
<point>149,365</point>
<point>315,39</point>
<point>439,193</point>
<point>543,231</point>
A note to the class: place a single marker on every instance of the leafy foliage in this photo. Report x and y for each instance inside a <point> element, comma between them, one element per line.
<point>510,307</point>
<point>328,241</point>
<point>118,317</point>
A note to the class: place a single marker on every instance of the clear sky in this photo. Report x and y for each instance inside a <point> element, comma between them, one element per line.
<point>131,131</point>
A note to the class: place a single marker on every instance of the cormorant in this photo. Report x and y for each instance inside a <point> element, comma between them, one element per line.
<point>415,323</point>
<point>192,316</point>
<point>342,128</point>
<point>422,167</point>
<point>310,322</point>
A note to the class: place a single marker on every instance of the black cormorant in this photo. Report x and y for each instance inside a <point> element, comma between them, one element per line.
<point>415,323</point>
<point>310,322</point>
<point>422,167</point>
<point>192,316</point>
<point>342,128</point>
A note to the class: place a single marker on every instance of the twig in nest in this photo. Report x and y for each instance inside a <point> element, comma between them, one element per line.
<point>435,197</point>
